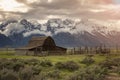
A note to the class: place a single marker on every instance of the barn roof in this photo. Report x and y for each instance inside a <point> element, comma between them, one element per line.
<point>35,42</point>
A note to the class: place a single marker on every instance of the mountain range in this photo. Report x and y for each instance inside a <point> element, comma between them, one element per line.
<point>66,32</point>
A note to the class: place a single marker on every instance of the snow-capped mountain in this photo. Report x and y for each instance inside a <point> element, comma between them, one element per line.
<point>66,32</point>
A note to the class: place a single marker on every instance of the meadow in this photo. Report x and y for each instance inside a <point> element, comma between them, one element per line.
<point>63,67</point>
<point>54,58</point>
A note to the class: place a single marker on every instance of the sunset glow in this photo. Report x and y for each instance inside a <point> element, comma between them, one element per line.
<point>43,9</point>
<point>11,5</point>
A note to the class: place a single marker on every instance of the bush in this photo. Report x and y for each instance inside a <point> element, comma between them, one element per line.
<point>17,66</point>
<point>46,63</point>
<point>59,65</point>
<point>88,60</point>
<point>15,59</point>
<point>8,75</point>
<point>91,73</point>
<point>41,76</point>
<point>69,65</point>
<point>26,73</point>
<point>7,64</point>
<point>54,74</point>
<point>1,63</point>
<point>51,75</point>
<point>116,61</point>
<point>32,62</point>
<point>110,63</point>
<point>118,70</point>
<point>36,69</point>
<point>11,64</point>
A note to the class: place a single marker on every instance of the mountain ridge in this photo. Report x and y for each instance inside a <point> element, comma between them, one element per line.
<point>67,32</point>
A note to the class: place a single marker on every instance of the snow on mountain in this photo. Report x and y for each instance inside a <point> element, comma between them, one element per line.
<point>55,26</point>
<point>83,31</point>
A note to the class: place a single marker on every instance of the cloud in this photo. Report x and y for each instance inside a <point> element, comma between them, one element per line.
<point>89,2</point>
<point>45,9</point>
<point>36,32</point>
<point>13,6</point>
<point>13,28</point>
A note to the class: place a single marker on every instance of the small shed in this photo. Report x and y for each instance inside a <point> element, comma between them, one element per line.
<point>41,46</point>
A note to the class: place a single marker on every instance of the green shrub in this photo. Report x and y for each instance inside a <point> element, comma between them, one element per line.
<point>91,73</point>
<point>2,60</point>
<point>54,74</point>
<point>69,65</point>
<point>88,60</point>
<point>36,69</point>
<point>50,75</point>
<point>116,61</point>
<point>8,75</point>
<point>109,63</point>
<point>46,63</point>
<point>41,76</point>
<point>32,62</point>
<point>15,59</point>
<point>118,70</point>
<point>59,65</point>
<point>12,65</point>
<point>17,66</point>
<point>26,73</point>
<point>7,64</point>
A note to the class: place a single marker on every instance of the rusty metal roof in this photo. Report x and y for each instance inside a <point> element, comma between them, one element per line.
<point>35,42</point>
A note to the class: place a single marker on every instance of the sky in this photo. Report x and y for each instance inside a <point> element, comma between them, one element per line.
<point>117,1</point>
<point>46,9</point>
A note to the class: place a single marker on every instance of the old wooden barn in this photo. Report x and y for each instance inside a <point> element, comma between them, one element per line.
<point>41,46</point>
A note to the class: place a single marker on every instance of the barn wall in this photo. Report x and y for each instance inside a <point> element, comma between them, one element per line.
<point>24,52</point>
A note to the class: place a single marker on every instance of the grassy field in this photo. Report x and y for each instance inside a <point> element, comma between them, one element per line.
<point>52,71</point>
<point>62,58</point>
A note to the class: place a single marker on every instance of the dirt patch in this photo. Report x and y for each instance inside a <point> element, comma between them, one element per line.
<point>113,77</point>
